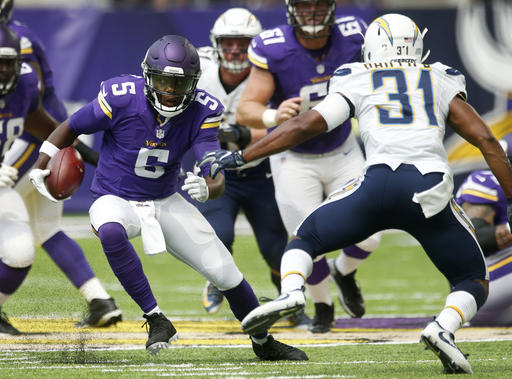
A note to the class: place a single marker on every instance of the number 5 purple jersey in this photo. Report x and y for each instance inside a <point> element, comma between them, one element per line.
<point>141,153</point>
<point>301,72</point>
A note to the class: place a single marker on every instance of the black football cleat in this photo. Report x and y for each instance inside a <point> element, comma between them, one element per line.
<point>273,350</point>
<point>161,333</point>
<point>349,293</point>
<point>102,313</point>
<point>324,318</point>
<point>6,327</point>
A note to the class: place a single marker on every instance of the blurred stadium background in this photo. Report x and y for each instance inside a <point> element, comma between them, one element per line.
<point>88,41</point>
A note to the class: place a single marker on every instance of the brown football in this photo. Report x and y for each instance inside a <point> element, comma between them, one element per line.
<point>66,173</point>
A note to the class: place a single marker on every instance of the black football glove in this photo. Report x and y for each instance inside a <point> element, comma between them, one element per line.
<point>239,134</point>
<point>222,160</point>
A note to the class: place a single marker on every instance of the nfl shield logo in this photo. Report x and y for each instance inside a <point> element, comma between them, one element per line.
<point>320,69</point>
<point>160,133</point>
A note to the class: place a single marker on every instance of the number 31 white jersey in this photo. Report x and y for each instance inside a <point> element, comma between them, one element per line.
<point>401,109</point>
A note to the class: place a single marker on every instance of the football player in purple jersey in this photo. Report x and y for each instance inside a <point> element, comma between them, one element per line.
<point>21,109</point>
<point>292,65</point>
<point>45,216</point>
<point>149,123</point>
<point>485,203</point>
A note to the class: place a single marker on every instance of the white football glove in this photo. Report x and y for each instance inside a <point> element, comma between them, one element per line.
<point>36,177</point>
<point>8,176</point>
<point>196,187</point>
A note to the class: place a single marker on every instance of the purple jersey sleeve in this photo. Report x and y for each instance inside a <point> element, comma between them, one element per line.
<point>482,187</point>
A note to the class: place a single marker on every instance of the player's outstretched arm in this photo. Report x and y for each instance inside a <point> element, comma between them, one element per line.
<point>290,133</point>
<point>467,123</point>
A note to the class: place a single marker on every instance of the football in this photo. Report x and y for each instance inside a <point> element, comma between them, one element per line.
<point>66,173</point>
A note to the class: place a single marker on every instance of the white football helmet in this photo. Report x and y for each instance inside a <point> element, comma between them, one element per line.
<point>234,23</point>
<point>393,37</point>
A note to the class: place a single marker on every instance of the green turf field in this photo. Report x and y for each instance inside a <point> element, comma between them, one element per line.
<point>397,280</point>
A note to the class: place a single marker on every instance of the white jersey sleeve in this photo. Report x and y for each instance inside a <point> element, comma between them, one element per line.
<point>210,82</point>
<point>449,83</point>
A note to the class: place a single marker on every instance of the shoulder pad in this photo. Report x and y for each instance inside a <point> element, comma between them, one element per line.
<point>208,101</point>
<point>120,91</point>
<point>207,52</point>
<point>351,26</point>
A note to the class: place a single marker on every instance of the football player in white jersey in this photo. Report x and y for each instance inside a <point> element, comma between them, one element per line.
<point>225,69</point>
<point>402,106</point>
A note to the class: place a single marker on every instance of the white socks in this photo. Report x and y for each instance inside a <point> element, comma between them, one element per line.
<point>320,292</point>
<point>154,310</point>
<point>345,264</point>
<point>92,289</point>
<point>460,307</point>
<point>296,266</point>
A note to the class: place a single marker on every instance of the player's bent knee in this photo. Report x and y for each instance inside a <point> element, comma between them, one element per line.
<point>112,233</point>
<point>299,243</point>
<point>20,251</point>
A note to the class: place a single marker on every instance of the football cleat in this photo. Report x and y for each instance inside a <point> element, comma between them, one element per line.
<point>212,298</point>
<point>102,313</point>
<point>161,333</point>
<point>260,319</point>
<point>442,343</point>
<point>6,327</point>
<point>349,293</point>
<point>273,350</point>
<point>324,318</point>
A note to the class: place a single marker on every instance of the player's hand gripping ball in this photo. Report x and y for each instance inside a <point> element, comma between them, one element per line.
<point>66,173</point>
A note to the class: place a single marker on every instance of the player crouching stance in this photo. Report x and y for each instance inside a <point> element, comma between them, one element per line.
<point>149,123</point>
<point>402,107</point>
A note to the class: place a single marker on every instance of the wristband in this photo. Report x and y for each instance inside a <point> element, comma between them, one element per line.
<point>49,149</point>
<point>269,117</point>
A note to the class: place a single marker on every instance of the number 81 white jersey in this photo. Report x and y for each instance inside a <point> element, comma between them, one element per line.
<point>401,109</point>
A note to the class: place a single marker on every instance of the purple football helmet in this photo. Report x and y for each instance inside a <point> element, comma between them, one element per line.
<point>10,59</point>
<point>6,7</point>
<point>171,70</point>
<point>301,13</point>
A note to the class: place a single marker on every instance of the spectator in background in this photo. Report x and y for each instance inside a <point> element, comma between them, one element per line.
<point>45,216</point>
<point>485,203</point>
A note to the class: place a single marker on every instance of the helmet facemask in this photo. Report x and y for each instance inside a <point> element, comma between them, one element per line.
<point>229,46</point>
<point>313,18</point>
<point>169,91</point>
<point>10,60</point>
<point>228,34</point>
